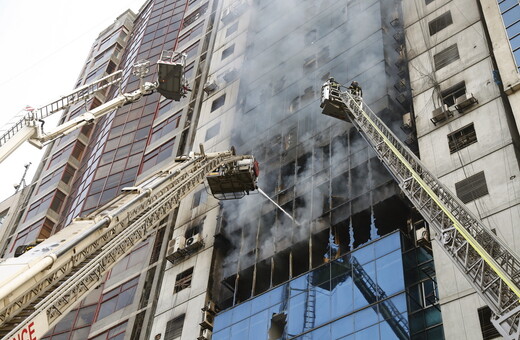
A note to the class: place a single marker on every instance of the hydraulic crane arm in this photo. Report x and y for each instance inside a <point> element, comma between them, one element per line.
<point>488,264</point>
<point>27,126</point>
<point>40,287</point>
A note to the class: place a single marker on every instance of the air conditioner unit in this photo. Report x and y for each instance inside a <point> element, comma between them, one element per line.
<point>206,335</point>
<point>207,320</point>
<point>210,86</point>
<point>465,101</point>
<point>422,235</point>
<point>174,247</point>
<point>194,241</point>
<point>440,114</point>
<point>407,121</point>
<point>209,307</point>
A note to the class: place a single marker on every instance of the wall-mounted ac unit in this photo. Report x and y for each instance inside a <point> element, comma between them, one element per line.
<point>407,121</point>
<point>440,114</point>
<point>175,246</point>
<point>206,335</point>
<point>422,235</point>
<point>210,86</point>
<point>193,242</point>
<point>207,320</point>
<point>465,101</point>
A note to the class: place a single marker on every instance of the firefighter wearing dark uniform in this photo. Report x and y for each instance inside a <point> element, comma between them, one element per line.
<point>334,85</point>
<point>355,89</point>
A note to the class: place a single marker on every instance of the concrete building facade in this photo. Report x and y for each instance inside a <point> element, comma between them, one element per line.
<point>463,75</point>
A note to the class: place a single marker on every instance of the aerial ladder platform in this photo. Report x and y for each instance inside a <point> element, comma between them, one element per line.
<point>488,264</point>
<point>47,280</point>
<point>27,126</point>
<point>42,285</point>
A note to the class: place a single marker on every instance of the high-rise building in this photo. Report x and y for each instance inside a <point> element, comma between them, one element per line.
<point>328,247</point>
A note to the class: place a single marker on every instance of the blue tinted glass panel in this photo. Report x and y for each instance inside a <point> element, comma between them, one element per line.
<point>241,312</point>
<point>389,271</point>
<point>364,318</point>
<point>362,297</point>
<point>515,42</point>
<point>388,332</point>
<point>387,244</point>
<point>342,327</point>
<point>299,284</point>
<point>511,15</point>
<point>223,320</point>
<point>368,333</point>
<point>513,29</point>
<point>296,314</point>
<point>341,302</point>
<point>507,4</point>
<point>261,302</point>
<point>365,254</point>
<point>259,325</point>
<point>222,335</point>
<point>239,331</point>
<point>321,333</point>
<point>322,306</point>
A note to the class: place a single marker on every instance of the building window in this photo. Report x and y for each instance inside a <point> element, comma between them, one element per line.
<point>232,29</point>
<point>446,57</point>
<point>166,127</point>
<point>183,280</point>
<point>194,230</point>
<point>198,198</point>
<point>510,11</point>
<point>115,333</point>
<point>311,36</point>
<point>195,15</point>
<point>158,155</point>
<point>451,94</point>
<point>472,187</point>
<point>174,328</point>
<point>117,298</point>
<point>212,131</point>
<point>218,103</point>
<point>440,23</point>
<point>136,257</point>
<point>462,138</point>
<point>38,230</point>
<point>488,330</point>
<point>228,51</point>
<point>427,2</point>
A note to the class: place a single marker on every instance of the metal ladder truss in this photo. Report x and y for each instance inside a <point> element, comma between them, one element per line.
<point>129,226</point>
<point>488,264</point>
<point>29,117</point>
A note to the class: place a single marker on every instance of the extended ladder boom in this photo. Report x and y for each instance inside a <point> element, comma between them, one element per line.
<point>40,287</point>
<point>488,264</point>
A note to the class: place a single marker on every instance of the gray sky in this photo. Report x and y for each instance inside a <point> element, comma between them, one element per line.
<point>44,45</point>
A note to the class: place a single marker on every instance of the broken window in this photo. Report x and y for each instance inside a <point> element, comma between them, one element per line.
<point>452,93</point>
<point>446,57</point>
<point>183,280</point>
<point>440,22</point>
<point>472,187</point>
<point>295,105</point>
<point>193,230</point>
<point>488,330</point>
<point>277,329</point>
<point>462,138</point>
